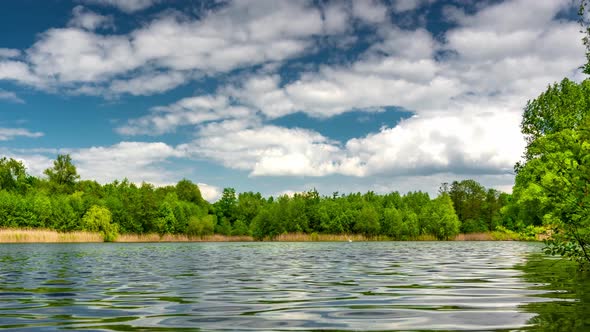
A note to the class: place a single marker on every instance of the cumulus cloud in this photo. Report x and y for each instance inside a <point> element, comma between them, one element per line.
<point>462,99</point>
<point>127,6</point>
<point>187,111</point>
<point>370,11</point>
<point>9,53</point>
<point>467,106</point>
<point>265,150</point>
<point>137,161</point>
<point>18,71</point>
<point>239,34</point>
<point>7,134</point>
<point>466,86</point>
<point>419,145</point>
<point>426,145</point>
<point>401,6</point>
<point>10,96</point>
<point>210,193</point>
<point>89,20</point>
<point>148,83</point>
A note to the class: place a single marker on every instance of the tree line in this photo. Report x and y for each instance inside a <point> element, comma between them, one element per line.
<point>62,201</point>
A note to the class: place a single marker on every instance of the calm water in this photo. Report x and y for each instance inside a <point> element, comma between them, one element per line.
<point>284,286</point>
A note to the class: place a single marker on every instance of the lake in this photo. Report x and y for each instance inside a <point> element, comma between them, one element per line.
<point>288,286</point>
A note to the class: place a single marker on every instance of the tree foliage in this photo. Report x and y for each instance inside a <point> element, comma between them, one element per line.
<point>584,14</point>
<point>553,181</point>
<point>63,175</point>
<point>63,202</point>
<point>98,219</point>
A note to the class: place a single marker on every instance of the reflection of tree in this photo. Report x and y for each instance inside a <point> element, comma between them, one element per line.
<point>569,309</point>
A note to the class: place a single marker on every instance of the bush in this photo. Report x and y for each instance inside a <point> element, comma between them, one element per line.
<point>98,219</point>
<point>201,226</point>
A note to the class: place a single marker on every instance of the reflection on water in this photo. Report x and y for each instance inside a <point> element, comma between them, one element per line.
<point>569,290</point>
<point>278,286</point>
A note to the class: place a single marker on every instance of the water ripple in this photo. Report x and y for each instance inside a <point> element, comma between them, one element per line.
<point>273,286</point>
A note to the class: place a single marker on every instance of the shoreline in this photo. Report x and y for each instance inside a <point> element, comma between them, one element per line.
<point>15,235</point>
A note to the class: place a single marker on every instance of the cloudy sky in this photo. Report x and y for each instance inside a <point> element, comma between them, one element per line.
<point>280,96</point>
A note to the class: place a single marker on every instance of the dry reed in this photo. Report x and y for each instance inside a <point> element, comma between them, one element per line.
<point>14,235</point>
<point>474,237</point>
<point>314,237</point>
<point>153,237</point>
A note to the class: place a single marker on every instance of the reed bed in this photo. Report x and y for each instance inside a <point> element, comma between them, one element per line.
<point>13,235</point>
<point>475,237</point>
<point>153,237</point>
<point>314,237</point>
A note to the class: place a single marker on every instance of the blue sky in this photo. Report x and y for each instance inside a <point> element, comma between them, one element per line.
<point>280,96</point>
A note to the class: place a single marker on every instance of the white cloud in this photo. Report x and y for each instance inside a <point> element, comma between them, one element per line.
<point>265,150</point>
<point>75,55</point>
<point>468,105</point>
<point>7,134</point>
<point>127,6</point>
<point>149,83</point>
<point>10,96</point>
<point>210,193</point>
<point>9,53</point>
<point>187,111</point>
<point>400,6</point>
<point>370,11</point>
<point>263,92</point>
<point>427,145</point>
<point>420,145</point>
<point>336,17</point>
<point>137,161</point>
<point>18,71</point>
<point>169,49</point>
<point>240,34</point>
<point>467,87</point>
<point>89,20</point>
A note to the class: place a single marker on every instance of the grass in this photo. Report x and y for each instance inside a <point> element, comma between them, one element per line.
<point>14,235</point>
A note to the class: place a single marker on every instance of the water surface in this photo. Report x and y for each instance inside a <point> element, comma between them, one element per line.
<point>276,286</point>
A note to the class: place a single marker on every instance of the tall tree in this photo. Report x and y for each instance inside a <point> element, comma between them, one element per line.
<point>226,205</point>
<point>63,175</point>
<point>12,174</point>
<point>584,14</point>
<point>190,192</point>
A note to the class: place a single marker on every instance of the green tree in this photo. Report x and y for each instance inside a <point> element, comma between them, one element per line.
<point>562,106</point>
<point>189,192</point>
<point>563,178</point>
<point>63,175</point>
<point>584,14</point>
<point>392,223</point>
<point>552,182</point>
<point>166,219</point>
<point>226,206</point>
<point>12,174</point>
<point>98,219</point>
<point>439,218</point>
<point>368,221</point>
<point>200,226</point>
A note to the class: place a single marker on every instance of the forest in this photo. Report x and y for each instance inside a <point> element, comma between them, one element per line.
<point>62,201</point>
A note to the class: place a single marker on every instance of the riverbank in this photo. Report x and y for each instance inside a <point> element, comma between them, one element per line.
<point>13,235</point>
